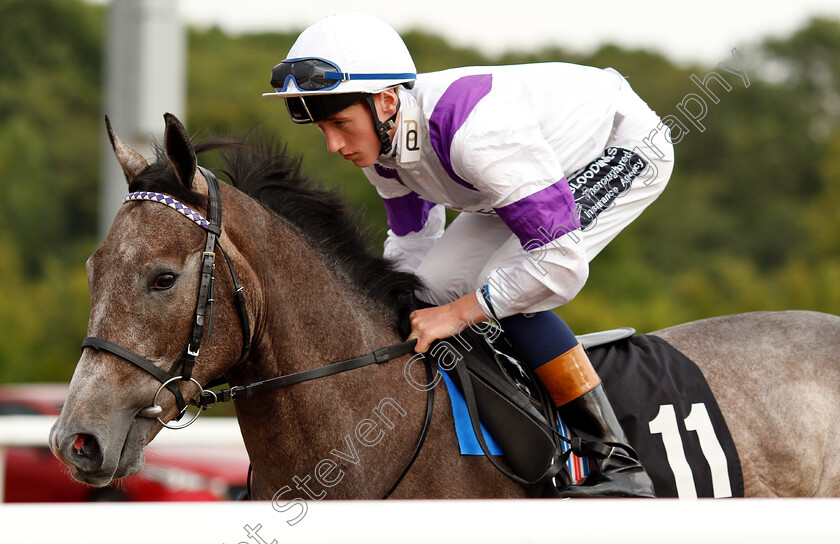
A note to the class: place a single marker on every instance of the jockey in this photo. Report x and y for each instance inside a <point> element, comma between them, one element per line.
<point>546,162</point>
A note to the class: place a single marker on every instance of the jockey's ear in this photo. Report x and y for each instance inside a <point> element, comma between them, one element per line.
<point>130,160</point>
<point>179,150</point>
<point>389,102</point>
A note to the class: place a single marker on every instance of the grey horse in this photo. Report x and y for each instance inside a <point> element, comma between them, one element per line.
<point>313,296</point>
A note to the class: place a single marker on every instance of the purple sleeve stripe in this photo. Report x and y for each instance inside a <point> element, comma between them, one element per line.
<point>407,213</point>
<point>542,217</point>
<point>389,173</point>
<point>450,113</point>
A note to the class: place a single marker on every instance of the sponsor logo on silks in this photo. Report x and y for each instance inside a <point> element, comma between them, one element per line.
<point>412,135</point>
<point>597,185</point>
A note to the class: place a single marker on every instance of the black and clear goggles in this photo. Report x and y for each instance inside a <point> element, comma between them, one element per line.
<point>315,74</point>
<point>319,75</point>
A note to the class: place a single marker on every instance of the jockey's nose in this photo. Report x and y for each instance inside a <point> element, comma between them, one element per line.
<point>334,140</point>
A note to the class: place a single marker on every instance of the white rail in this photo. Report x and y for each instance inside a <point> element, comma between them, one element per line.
<point>663,521</point>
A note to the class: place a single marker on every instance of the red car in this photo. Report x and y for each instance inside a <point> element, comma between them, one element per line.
<point>33,474</point>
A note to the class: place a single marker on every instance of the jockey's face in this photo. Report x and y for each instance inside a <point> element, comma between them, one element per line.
<point>351,132</point>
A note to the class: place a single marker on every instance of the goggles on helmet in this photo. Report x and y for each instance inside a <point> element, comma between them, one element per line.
<point>318,75</point>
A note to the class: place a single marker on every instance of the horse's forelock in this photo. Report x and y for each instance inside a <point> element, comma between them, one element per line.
<point>160,177</point>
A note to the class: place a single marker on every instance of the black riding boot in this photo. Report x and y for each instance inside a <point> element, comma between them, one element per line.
<point>582,402</point>
<point>616,474</point>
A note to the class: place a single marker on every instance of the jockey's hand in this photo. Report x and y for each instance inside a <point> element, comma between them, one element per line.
<point>430,324</point>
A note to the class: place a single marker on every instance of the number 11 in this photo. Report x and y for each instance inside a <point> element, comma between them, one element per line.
<point>665,423</point>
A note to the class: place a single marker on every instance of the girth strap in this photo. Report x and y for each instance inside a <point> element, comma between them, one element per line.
<point>131,357</point>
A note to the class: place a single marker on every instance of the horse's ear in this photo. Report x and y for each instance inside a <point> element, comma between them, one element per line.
<point>179,150</point>
<point>130,160</point>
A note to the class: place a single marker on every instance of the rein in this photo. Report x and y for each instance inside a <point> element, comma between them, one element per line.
<point>382,355</point>
<point>204,313</point>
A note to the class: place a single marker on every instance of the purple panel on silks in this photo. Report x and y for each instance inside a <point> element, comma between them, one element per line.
<point>451,111</point>
<point>407,213</point>
<point>543,216</point>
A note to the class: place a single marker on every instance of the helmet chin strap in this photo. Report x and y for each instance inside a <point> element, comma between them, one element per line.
<point>382,127</point>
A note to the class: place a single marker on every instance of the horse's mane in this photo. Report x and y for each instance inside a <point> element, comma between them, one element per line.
<point>263,170</point>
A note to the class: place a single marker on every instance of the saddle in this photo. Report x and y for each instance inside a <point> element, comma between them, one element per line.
<point>503,394</point>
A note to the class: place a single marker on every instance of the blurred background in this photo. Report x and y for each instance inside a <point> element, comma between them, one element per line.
<point>748,222</point>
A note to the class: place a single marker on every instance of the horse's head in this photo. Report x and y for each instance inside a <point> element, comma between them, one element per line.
<point>146,289</point>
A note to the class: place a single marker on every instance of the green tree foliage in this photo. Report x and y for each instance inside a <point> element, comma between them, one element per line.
<point>49,125</point>
<point>49,137</point>
<point>748,222</point>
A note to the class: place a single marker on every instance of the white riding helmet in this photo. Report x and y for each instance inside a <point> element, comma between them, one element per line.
<point>366,54</point>
<point>341,60</point>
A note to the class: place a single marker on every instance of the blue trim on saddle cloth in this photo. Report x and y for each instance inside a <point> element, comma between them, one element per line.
<point>468,443</point>
<point>463,428</point>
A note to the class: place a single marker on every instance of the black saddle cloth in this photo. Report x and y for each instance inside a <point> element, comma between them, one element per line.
<point>670,416</point>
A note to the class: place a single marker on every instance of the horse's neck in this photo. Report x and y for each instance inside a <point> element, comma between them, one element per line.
<point>305,310</point>
<point>306,315</point>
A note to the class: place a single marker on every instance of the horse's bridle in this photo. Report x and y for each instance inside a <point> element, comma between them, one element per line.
<point>203,309</point>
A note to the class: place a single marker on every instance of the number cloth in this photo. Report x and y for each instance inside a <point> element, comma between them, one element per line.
<point>671,418</point>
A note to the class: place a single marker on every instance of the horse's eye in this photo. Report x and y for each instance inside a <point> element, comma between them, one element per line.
<point>164,281</point>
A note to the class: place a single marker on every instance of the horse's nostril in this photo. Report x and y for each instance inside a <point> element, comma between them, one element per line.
<point>85,446</point>
<point>84,455</point>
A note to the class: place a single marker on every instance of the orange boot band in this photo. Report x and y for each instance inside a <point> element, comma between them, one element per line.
<point>568,376</point>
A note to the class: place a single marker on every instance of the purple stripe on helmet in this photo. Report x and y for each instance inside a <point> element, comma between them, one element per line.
<point>450,113</point>
<point>542,217</point>
<point>389,173</point>
<point>407,213</point>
